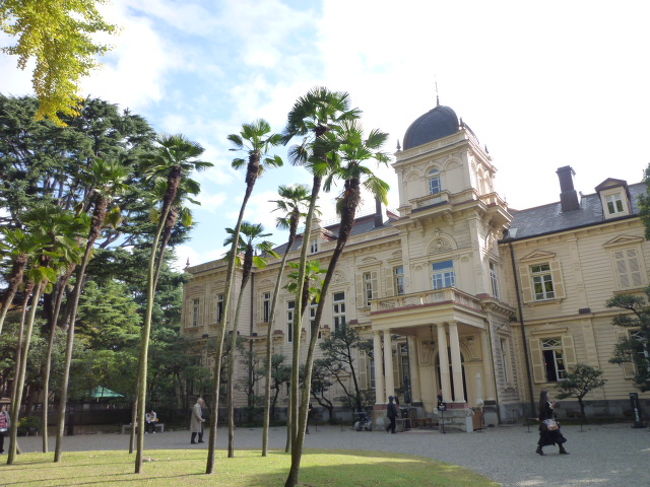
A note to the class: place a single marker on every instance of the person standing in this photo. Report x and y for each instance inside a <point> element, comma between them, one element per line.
<point>391,413</point>
<point>197,420</point>
<point>549,429</point>
<point>5,424</point>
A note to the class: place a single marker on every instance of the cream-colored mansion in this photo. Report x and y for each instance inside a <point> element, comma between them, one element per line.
<point>513,299</point>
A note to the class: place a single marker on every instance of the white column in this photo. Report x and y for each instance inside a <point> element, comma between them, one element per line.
<point>380,393</point>
<point>445,382</point>
<point>414,371</point>
<point>388,366</point>
<point>488,372</point>
<point>456,363</point>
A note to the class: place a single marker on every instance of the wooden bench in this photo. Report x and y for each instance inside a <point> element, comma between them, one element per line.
<point>157,427</point>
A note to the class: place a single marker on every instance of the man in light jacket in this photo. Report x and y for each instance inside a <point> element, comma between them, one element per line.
<point>196,421</point>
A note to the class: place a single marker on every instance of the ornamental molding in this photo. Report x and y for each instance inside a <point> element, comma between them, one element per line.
<point>538,255</point>
<point>623,240</point>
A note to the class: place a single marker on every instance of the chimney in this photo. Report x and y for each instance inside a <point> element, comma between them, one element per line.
<point>379,216</point>
<point>568,195</point>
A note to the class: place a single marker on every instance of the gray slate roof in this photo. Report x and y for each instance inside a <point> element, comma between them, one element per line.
<point>550,218</point>
<point>433,125</point>
<point>363,224</point>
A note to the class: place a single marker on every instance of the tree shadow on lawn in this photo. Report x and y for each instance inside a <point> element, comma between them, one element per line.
<point>347,468</point>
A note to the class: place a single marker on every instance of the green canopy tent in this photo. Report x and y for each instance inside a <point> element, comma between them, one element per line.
<point>101,392</point>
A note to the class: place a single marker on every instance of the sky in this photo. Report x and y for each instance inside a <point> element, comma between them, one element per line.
<point>541,84</point>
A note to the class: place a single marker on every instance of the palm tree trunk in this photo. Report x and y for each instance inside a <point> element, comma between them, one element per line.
<point>47,366</point>
<point>297,321</point>
<point>21,373</point>
<point>269,350</point>
<point>347,218</point>
<point>221,330</point>
<point>144,338</point>
<point>230,398</point>
<point>15,280</point>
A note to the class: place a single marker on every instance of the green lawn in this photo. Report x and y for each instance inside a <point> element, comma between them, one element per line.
<point>178,468</point>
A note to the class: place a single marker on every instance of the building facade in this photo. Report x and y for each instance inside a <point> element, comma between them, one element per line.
<point>463,298</point>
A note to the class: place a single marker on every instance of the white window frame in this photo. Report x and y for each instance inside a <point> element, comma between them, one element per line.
<point>313,246</point>
<point>219,308</point>
<point>398,280</point>
<point>370,286</point>
<point>553,345</point>
<point>443,277</point>
<point>196,311</point>
<point>338,309</point>
<point>291,307</point>
<point>313,306</point>
<point>494,278</point>
<point>627,263</point>
<point>435,183</point>
<point>266,306</point>
<point>615,204</point>
<point>541,279</point>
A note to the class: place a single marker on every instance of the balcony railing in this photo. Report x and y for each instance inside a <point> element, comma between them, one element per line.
<point>448,295</point>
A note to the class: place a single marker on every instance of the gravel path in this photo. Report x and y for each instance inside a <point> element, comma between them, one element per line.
<point>609,455</point>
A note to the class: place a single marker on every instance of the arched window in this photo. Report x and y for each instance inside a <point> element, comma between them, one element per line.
<point>434,181</point>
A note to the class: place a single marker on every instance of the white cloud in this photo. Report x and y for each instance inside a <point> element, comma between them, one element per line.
<point>134,72</point>
<point>210,201</point>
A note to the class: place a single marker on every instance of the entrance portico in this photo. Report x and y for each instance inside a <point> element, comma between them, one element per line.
<point>442,327</point>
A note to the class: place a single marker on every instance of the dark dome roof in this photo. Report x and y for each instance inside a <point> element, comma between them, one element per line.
<point>435,124</point>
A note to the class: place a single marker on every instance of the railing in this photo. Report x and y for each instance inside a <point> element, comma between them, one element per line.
<point>430,199</point>
<point>493,199</point>
<point>448,295</point>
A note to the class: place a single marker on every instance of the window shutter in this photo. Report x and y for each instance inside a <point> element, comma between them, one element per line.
<point>525,282</point>
<point>633,267</point>
<point>539,373</point>
<point>388,283</point>
<point>362,371</point>
<point>556,274</point>
<point>361,302</point>
<point>570,360</point>
<point>628,367</point>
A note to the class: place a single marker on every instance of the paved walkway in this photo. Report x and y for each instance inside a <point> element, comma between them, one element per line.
<point>610,455</point>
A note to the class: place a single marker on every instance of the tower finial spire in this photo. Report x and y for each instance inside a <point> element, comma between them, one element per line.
<point>437,97</point>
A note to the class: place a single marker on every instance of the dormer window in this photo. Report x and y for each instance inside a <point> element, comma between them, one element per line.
<point>434,181</point>
<point>314,246</point>
<point>614,198</point>
<point>614,204</point>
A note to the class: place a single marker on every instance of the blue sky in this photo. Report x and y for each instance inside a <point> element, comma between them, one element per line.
<point>542,85</point>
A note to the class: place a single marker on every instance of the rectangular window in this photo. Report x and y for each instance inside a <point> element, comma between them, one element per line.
<point>443,274</point>
<point>195,311</point>
<point>398,280</point>
<point>643,354</point>
<point>219,310</point>
<point>339,310</point>
<point>266,307</point>
<point>503,349</point>
<point>494,280</point>
<point>369,286</point>
<point>313,306</point>
<point>627,266</point>
<point>542,281</point>
<point>314,246</point>
<point>291,306</point>
<point>614,203</point>
<point>553,359</point>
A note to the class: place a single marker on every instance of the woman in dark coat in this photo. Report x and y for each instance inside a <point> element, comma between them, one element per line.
<point>552,435</point>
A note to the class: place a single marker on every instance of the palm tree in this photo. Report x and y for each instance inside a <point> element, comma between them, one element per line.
<point>348,164</point>
<point>105,179</point>
<point>292,203</point>
<point>57,235</point>
<point>251,248</point>
<point>313,116</point>
<point>256,140</point>
<point>174,159</point>
<point>17,246</point>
